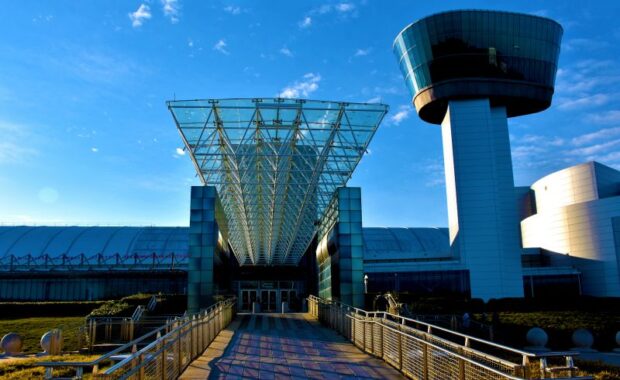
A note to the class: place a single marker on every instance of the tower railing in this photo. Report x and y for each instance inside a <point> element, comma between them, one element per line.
<point>421,350</point>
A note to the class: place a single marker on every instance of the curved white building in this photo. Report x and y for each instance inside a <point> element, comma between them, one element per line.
<point>576,215</point>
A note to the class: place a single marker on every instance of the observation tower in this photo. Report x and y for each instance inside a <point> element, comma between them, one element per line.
<point>469,71</point>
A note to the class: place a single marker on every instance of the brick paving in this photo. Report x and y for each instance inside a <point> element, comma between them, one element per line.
<point>284,346</point>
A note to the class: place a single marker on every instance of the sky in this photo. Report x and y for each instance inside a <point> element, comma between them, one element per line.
<point>86,138</point>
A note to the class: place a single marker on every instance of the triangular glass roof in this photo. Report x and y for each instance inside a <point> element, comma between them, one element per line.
<point>276,164</point>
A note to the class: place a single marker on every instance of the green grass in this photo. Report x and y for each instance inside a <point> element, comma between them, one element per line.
<point>31,330</point>
<point>26,368</point>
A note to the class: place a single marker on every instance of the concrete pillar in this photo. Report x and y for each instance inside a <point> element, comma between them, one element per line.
<point>203,235</point>
<point>482,210</point>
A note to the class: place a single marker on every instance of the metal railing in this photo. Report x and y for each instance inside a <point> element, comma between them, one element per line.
<point>166,351</point>
<point>424,351</point>
<point>96,262</point>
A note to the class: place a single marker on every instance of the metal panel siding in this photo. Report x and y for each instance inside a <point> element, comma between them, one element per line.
<point>484,230</point>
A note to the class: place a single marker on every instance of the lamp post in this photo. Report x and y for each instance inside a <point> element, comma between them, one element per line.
<point>365,284</point>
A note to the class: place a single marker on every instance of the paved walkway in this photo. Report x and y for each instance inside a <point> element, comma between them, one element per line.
<point>283,346</point>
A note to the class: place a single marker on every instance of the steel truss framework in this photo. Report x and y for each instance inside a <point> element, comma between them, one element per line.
<point>276,164</point>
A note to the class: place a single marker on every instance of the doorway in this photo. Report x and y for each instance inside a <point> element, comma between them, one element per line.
<point>248,297</point>
<point>290,297</point>
<point>268,301</point>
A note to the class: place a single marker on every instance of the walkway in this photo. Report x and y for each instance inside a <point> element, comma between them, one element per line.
<point>283,346</point>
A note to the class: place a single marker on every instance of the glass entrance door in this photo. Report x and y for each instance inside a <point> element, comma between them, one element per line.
<point>247,298</point>
<point>290,296</point>
<point>268,301</point>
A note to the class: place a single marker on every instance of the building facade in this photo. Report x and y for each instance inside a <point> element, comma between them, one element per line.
<point>274,221</point>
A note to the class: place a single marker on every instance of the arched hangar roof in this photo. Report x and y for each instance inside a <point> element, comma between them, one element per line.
<point>108,241</point>
<point>405,243</point>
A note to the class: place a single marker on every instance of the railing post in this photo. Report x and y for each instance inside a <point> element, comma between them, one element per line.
<point>158,347</point>
<point>93,334</point>
<point>525,362</point>
<point>571,366</point>
<point>179,352</point>
<point>400,351</point>
<point>364,334</point>
<point>192,344</point>
<point>141,364</point>
<point>352,338</point>
<point>164,361</point>
<point>543,367</point>
<point>425,360</point>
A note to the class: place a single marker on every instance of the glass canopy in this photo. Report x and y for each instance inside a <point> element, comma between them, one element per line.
<point>276,164</point>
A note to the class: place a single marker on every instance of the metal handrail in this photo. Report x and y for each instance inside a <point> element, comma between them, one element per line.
<point>155,356</point>
<point>396,339</point>
<point>173,325</point>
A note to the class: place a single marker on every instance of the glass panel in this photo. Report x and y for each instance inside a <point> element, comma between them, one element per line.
<point>302,149</point>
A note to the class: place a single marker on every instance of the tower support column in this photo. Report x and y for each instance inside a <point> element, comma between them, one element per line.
<point>482,210</point>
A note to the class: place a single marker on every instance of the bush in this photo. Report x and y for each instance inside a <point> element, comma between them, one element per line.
<point>121,308</point>
<point>600,370</point>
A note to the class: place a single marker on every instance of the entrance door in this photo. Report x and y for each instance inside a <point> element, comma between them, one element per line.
<point>268,300</point>
<point>247,298</point>
<point>290,296</point>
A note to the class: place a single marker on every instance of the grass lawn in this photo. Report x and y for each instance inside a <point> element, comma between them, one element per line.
<point>31,330</point>
<point>25,368</point>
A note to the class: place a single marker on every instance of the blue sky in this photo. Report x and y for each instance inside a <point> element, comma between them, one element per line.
<point>86,138</point>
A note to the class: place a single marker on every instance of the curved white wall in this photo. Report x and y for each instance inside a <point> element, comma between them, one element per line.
<point>572,219</point>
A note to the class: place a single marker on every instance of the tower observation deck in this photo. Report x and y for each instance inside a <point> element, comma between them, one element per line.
<point>469,71</point>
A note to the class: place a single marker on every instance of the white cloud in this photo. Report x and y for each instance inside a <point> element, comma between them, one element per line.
<point>233,9</point>
<point>138,17</point>
<point>376,99</point>
<point>286,51</point>
<point>582,44</point>
<point>171,10</point>
<point>362,52</point>
<point>221,47</point>
<point>595,149</point>
<point>343,10</point>
<point>12,149</point>
<point>190,43</point>
<point>180,151</point>
<point>403,113</point>
<point>306,22</point>
<point>597,135</point>
<point>345,7</point>
<point>94,149</point>
<point>582,103</point>
<point>305,87</point>
<point>607,117</point>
